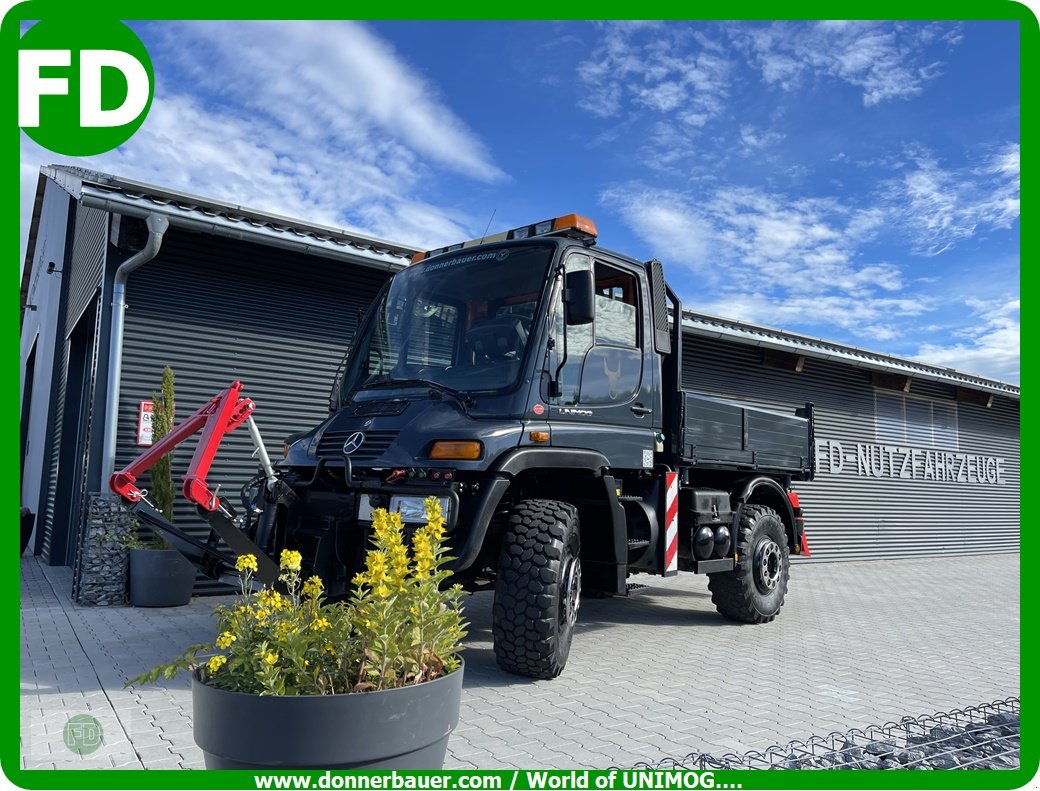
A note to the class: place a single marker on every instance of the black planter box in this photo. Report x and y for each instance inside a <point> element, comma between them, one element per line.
<point>160,578</point>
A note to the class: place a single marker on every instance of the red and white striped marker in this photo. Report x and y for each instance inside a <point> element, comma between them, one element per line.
<point>671,520</point>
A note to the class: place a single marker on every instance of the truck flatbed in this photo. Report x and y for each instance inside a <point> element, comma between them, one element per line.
<point>724,434</point>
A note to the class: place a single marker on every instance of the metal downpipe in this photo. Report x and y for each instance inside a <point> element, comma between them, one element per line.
<point>157,225</point>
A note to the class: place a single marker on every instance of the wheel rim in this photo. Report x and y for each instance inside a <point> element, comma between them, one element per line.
<point>570,592</point>
<point>768,565</point>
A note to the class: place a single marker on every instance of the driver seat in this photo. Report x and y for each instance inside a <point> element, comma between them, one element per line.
<point>500,338</point>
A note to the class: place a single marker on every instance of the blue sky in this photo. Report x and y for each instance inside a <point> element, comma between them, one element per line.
<point>853,181</point>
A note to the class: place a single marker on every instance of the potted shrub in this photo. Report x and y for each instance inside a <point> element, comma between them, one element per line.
<point>159,575</point>
<point>372,682</point>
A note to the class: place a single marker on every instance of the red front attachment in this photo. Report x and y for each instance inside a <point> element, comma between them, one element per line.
<point>223,413</point>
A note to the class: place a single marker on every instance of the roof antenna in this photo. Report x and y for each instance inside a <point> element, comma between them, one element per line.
<point>487,226</point>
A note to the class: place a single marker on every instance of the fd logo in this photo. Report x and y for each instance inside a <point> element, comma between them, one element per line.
<point>78,98</point>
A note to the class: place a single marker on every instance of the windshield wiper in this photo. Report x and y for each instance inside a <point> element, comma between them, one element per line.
<point>435,387</point>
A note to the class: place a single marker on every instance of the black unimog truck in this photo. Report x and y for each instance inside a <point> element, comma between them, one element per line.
<point>531,382</point>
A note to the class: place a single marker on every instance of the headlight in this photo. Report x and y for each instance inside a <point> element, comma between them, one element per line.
<point>413,511</point>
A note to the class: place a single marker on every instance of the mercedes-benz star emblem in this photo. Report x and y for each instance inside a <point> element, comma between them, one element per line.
<point>353,442</point>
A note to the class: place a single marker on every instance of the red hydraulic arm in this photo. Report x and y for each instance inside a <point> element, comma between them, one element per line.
<point>223,413</point>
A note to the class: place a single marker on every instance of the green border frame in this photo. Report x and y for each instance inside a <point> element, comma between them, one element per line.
<point>1029,33</point>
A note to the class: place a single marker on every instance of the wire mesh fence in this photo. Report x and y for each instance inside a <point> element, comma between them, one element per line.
<point>976,737</point>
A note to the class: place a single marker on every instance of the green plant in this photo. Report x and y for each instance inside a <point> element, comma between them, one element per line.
<point>402,626</point>
<point>132,540</point>
<point>162,473</point>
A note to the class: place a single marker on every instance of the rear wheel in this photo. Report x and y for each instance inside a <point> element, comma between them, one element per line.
<point>754,593</point>
<point>538,589</point>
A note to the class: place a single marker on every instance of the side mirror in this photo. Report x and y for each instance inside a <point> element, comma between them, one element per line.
<point>579,297</point>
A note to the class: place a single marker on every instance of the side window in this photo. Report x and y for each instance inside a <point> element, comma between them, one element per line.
<point>604,362</point>
<point>616,311</point>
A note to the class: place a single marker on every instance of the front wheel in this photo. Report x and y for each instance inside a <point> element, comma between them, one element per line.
<point>754,593</point>
<point>538,589</point>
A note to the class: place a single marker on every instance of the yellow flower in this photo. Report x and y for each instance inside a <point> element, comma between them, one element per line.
<point>381,590</point>
<point>434,518</point>
<point>216,662</point>
<point>291,560</point>
<point>271,600</point>
<point>313,587</point>
<point>225,639</point>
<point>246,563</point>
<point>398,565</point>
<point>376,562</point>
<point>321,624</point>
<point>422,548</point>
<point>261,615</point>
<point>329,648</point>
<point>385,525</point>
<point>271,658</point>
<point>284,629</point>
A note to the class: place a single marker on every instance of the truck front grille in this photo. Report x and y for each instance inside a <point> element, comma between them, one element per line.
<point>374,445</point>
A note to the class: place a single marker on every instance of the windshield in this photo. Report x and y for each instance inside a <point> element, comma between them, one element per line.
<point>461,321</point>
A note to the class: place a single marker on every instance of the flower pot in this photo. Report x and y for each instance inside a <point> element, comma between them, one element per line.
<point>160,578</point>
<point>403,728</point>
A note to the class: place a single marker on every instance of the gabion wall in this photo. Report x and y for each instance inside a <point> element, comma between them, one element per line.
<point>101,567</point>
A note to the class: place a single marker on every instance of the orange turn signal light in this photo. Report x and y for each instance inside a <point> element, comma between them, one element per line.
<point>539,436</point>
<point>456,449</point>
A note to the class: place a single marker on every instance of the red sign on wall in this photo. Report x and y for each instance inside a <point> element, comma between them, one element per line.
<point>144,423</point>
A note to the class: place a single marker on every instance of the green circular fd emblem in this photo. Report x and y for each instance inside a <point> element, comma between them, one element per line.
<point>84,86</point>
<point>82,734</point>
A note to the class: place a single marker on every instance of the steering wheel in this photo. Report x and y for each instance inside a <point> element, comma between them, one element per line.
<point>500,338</point>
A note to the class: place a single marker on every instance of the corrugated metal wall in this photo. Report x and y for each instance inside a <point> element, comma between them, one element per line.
<point>81,280</point>
<point>875,497</point>
<point>216,310</point>
<point>51,472</point>
<point>88,262</point>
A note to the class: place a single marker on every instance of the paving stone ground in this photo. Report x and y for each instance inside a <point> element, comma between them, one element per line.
<point>652,676</point>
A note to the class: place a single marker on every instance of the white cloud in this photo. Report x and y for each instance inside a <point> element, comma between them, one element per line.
<point>663,68</point>
<point>939,207</point>
<point>331,81</point>
<point>771,259</point>
<point>335,129</point>
<point>870,319</point>
<point>756,140</point>
<point>665,221</point>
<point>990,347</point>
<point>882,59</point>
<point>808,243</point>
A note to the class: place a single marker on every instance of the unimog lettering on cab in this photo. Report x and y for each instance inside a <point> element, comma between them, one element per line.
<point>531,381</point>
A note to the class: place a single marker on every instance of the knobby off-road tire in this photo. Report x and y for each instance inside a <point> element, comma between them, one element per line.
<point>754,593</point>
<point>538,589</point>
